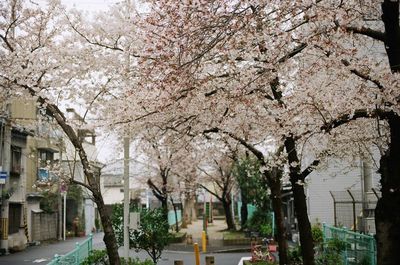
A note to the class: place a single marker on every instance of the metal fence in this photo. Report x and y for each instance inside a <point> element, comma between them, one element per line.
<point>172,218</point>
<point>76,256</point>
<point>359,248</point>
<point>355,209</point>
<point>250,210</point>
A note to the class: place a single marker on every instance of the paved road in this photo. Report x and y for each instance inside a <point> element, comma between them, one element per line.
<point>44,253</point>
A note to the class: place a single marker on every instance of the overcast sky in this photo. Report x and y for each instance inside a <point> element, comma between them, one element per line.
<point>89,5</point>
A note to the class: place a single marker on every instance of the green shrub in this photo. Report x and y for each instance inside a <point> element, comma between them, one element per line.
<point>329,257</point>
<point>261,221</point>
<point>317,233</point>
<point>266,229</point>
<point>96,257</point>
<point>136,261</point>
<point>99,257</point>
<point>337,245</point>
<point>294,256</point>
<point>332,253</point>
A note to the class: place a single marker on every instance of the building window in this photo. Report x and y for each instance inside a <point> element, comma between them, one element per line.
<point>45,158</point>
<point>45,162</point>
<point>14,217</point>
<point>16,155</point>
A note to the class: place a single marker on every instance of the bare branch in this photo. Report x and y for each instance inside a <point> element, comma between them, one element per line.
<point>242,141</point>
<point>82,184</point>
<point>363,76</point>
<point>309,169</point>
<point>375,34</point>
<point>360,113</point>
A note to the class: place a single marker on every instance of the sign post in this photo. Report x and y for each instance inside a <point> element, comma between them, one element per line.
<point>63,190</point>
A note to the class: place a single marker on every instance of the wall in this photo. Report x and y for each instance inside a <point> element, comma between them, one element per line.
<point>337,176</point>
<point>44,226</point>
<point>89,216</point>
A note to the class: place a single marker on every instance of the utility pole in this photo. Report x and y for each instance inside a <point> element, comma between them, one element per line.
<point>126,197</point>
<point>6,163</point>
<point>6,157</point>
<point>126,151</point>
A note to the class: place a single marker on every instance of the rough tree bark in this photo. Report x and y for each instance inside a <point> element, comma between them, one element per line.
<point>274,182</point>
<point>161,194</point>
<point>226,203</point>
<point>300,204</point>
<point>243,210</point>
<point>93,185</point>
<point>387,212</point>
<point>175,213</point>
<point>225,199</point>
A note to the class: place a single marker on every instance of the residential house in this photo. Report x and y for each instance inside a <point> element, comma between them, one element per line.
<point>85,210</point>
<point>13,159</point>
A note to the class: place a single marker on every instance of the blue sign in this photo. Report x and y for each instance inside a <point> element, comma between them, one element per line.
<point>43,174</point>
<point>3,176</point>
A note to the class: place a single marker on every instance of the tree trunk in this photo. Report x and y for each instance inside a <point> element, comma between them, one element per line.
<point>188,208</point>
<point>109,236</point>
<point>164,206</point>
<point>93,184</point>
<point>243,211</point>
<point>300,203</point>
<point>176,215</point>
<point>228,214</point>
<point>390,17</point>
<point>387,212</point>
<point>306,240</point>
<point>276,198</point>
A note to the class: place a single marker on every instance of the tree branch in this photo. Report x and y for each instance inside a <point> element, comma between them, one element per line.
<point>213,193</point>
<point>81,183</point>
<point>243,142</point>
<point>360,113</point>
<point>374,34</point>
<point>363,76</point>
<point>291,54</point>
<point>309,169</point>
<point>156,190</point>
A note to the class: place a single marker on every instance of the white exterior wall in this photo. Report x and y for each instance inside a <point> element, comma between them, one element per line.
<point>113,195</point>
<point>89,216</point>
<point>337,176</point>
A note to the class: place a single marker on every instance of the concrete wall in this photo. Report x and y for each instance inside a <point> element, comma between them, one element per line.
<point>44,226</point>
<point>113,195</point>
<point>89,216</point>
<point>33,206</point>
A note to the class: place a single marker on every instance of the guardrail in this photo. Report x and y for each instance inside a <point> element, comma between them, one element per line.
<point>76,256</point>
<point>358,247</point>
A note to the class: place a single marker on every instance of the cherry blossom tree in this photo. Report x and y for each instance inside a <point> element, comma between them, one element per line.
<point>41,59</point>
<point>222,59</point>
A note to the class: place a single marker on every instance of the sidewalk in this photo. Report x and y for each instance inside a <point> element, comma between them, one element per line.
<point>215,238</point>
<point>43,253</point>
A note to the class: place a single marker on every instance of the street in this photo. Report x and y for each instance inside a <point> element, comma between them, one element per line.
<point>42,254</point>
